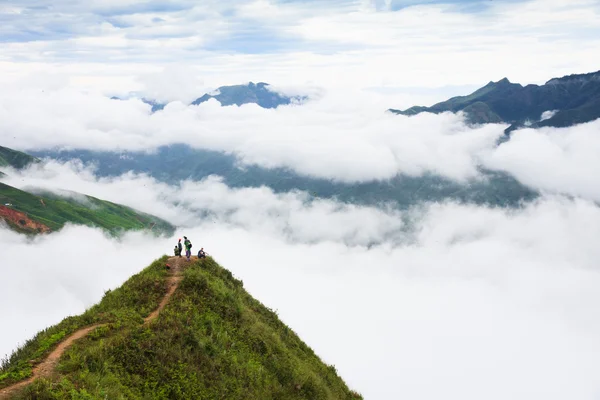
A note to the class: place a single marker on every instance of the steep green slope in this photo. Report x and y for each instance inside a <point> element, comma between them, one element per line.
<point>15,159</point>
<point>54,212</point>
<point>211,341</point>
<point>123,307</point>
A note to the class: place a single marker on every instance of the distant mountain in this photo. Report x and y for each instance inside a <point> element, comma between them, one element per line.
<point>258,93</point>
<point>178,162</point>
<point>15,159</point>
<point>156,106</point>
<point>250,93</point>
<point>189,332</point>
<point>565,101</point>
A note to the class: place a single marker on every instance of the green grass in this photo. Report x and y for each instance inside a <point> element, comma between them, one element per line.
<point>56,211</point>
<point>125,306</point>
<point>15,159</point>
<point>212,341</point>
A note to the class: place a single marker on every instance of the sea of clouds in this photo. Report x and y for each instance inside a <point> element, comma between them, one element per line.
<point>465,302</point>
<point>344,137</point>
<point>441,300</point>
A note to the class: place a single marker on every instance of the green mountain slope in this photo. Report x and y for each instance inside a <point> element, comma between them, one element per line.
<point>212,340</point>
<point>575,98</point>
<point>27,212</point>
<point>15,159</point>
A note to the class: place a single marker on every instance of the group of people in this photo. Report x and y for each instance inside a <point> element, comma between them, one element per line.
<point>188,249</point>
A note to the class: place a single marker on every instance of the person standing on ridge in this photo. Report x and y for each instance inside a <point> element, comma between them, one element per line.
<point>179,247</point>
<point>188,248</point>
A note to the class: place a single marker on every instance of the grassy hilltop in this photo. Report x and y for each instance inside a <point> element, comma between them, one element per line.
<point>31,213</point>
<point>211,341</point>
<point>42,212</point>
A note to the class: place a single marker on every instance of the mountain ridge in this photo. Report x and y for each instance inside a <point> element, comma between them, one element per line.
<point>181,162</point>
<point>250,93</point>
<point>574,99</point>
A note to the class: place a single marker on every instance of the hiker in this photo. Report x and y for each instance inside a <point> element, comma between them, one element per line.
<point>201,253</point>
<point>177,251</point>
<point>188,248</point>
<point>179,247</point>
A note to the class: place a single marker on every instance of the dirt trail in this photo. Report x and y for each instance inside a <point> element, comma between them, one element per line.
<point>47,367</point>
<point>176,265</point>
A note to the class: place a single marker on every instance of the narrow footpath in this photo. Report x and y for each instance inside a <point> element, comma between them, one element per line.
<point>48,367</point>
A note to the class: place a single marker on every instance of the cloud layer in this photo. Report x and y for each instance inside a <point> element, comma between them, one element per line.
<point>336,137</point>
<point>341,141</point>
<point>337,43</point>
<point>295,216</point>
<point>486,303</point>
<point>554,160</point>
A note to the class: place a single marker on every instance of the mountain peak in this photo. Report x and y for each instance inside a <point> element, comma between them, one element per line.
<point>501,82</point>
<point>179,329</point>
<point>502,101</point>
<point>251,92</point>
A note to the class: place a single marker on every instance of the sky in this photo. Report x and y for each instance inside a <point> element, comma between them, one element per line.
<point>441,300</point>
<point>118,46</point>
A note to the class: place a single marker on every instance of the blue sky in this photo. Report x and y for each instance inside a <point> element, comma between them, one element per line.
<point>29,20</point>
<point>366,43</point>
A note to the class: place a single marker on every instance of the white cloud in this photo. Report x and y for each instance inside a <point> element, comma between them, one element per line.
<point>173,83</point>
<point>51,277</point>
<point>340,136</point>
<point>337,44</point>
<point>554,160</point>
<point>548,114</point>
<point>295,215</point>
<point>486,303</point>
